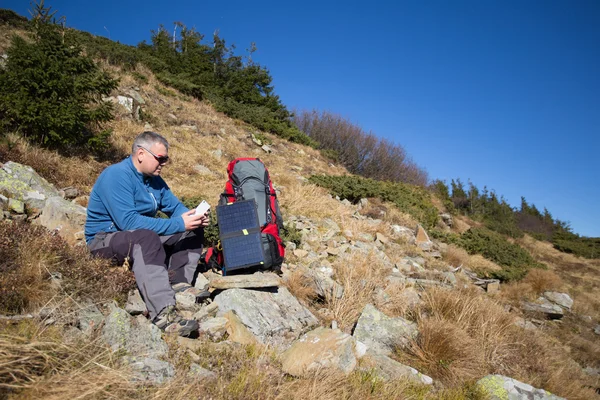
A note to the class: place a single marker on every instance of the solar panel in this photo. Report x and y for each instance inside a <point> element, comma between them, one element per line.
<point>239,231</point>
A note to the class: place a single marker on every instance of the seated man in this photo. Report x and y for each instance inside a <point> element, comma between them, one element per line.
<point>121,224</point>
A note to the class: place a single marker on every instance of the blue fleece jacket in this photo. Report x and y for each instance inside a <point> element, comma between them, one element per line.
<point>124,199</point>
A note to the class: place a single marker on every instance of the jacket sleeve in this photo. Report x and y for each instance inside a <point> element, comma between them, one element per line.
<point>169,203</point>
<point>118,197</point>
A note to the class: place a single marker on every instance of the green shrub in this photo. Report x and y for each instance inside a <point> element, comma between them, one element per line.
<point>49,91</point>
<point>11,18</point>
<point>332,155</point>
<point>515,260</point>
<point>141,78</point>
<point>289,233</point>
<point>411,199</point>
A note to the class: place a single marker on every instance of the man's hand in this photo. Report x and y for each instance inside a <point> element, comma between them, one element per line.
<point>193,221</point>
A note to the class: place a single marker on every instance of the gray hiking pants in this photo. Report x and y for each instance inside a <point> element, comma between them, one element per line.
<point>157,261</point>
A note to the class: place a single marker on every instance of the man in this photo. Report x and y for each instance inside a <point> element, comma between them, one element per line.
<point>121,224</point>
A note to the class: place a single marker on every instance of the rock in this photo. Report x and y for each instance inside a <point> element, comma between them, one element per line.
<point>500,387</point>
<point>382,238</point>
<point>186,301</point>
<point>202,170</point>
<point>404,233</point>
<point>367,237</point>
<point>21,182</point>
<point>217,154</point>
<point>300,253</point>
<point>322,283</point>
<point>147,370</point>
<point>202,282</point>
<point>16,206</point>
<point>422,239</point>
<point>266,148</point>
<point>269,315</point>
<point>346,202</point>
<point>592,371</point>
<point>542,305</point>
<point>597,330</point>
<point>126,102</point>
<point>206,311</point>
<point>89,317</point>
<point>136,96</point>
<point>70,193</point>
<point>256,140</point>
<point>525,324</point>
<point>201,374</point>
<point>493,287</point>
<point>215,328</point>
<point>237,331</point>
<point>135,304</point>
<point>389,369</point>
<point>381,333</point>
<point>447,219</point>
<point>148,127</point>
<point>64,216</point>
<point>172,118</point>
<point>256,280</point>
<point>562,299</point>
<point>320,348</point>
<point>362,203</point>
<point>410,297</point>
<point>448,277</point>
<point>192,128</point>
<point>138,337</point>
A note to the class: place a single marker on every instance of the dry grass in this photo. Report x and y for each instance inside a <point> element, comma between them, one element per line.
<point>543,280</point>
<point>468,335</point>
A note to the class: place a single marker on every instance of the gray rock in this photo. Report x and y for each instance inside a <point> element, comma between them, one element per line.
<point>383,334</point>
<point>362,203</point>
<point>66,217</point>
<point>592,371</point>
<point>346,202</point>
<point>267,148</point>
<point>70,192</point>
<point>256,280</point>
<point>542,305</point>
<point>16,206</point>
<point>186,301</point>
<point>137,336</point>
<point>500,387</point>
<point>202,170</point>
<point>525,324</point>
<point>206,311</point>
<point>89,317</point>
<point>597,330</point>
<point>322,283</point>
<point>147,370</point>
<point>21,182</point>
<point>201,283</point>
<point>447,219</point>
<point>136,96</point>
<point>318,349</point>
<point>217,154</point>
<point>172,118</point>
<point>404,233</point>
<point>215,328</point>
<point>126,102</point>
<point>562,299</point>
<point>201,374</point>
<point>271,315</point>
<point>135,304</point>
<point>389,369</point>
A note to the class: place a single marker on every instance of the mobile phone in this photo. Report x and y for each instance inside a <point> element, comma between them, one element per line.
<point>202,208</point>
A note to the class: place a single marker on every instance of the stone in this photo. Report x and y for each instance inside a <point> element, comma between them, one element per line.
<point>201,374</point>
<point>592,371</point>
<point>172,118</point>
<point>147,370</point>
<point>493,287</point>
<point>16,206</point>
<point>410,297</point>
<point>89,318</point>
<point>389,369</point>
<point>525,324</point>
<point>447,219</point>
<point>202,170</point>
<point>499,387</point>
<point>271,315</point>
<point>300,253</point>
<point>215,328</point>
<point>318,349</point>
<point>186,301</point>
<point>217,153</point>
<point>148,127</point>
<point>64,216</point>
<point>562,299</point>
<point>362,203</point>
<point>266,148</point>
<point>126,102</point>
<point>70,192</point>
<point>322,283</point>
<point>256,280</point>
<point>382,238</point>
<point>136,336</point>
<point>346,202</point>
<point>206,311</point>
<point>202,282</point>
<point>135,304</point>
<point>238,332</point>
<point>597,330</point>
<point>21,182</point>
<point>381,333</point>
<point>404,233</point>
<point>542,305</point>
<point>136,96</point>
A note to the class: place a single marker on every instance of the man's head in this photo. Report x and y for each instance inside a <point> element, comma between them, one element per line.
<point>150,152</point>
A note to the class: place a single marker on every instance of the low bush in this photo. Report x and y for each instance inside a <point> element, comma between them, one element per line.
<point>411,199</point>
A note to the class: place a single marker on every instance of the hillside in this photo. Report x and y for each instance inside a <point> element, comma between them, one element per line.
<point>341,257</point>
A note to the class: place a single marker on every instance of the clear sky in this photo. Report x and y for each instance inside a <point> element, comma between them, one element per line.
<point>504,93</point>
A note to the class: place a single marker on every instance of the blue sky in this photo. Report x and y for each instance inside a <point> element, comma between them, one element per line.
<point>504,93</point>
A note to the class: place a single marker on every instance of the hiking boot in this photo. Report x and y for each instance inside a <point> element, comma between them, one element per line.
<point>170,321</point>
<point>189,290</point>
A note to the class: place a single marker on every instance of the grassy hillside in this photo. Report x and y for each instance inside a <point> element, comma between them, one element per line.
<point>465,333</point>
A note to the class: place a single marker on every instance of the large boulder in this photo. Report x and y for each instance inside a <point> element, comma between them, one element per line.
<point>542,305</point>
<point>499,387</point>
<point>320,348</point>
<point>562,299</point>
<point>22,183</point>
<point>136,336</point>
<point>381,333</point>
<point>67,218</point>
<point>271,315</point>
<point>256,280</point>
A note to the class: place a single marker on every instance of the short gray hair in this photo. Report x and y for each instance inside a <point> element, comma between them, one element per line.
<point>147,139</point>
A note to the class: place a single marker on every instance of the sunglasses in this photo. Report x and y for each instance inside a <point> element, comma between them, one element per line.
<point>159,158</point>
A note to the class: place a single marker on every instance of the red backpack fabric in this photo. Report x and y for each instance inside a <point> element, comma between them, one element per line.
<point>248,178</point>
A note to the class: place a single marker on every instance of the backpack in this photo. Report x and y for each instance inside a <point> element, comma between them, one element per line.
<point>248,178</point>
